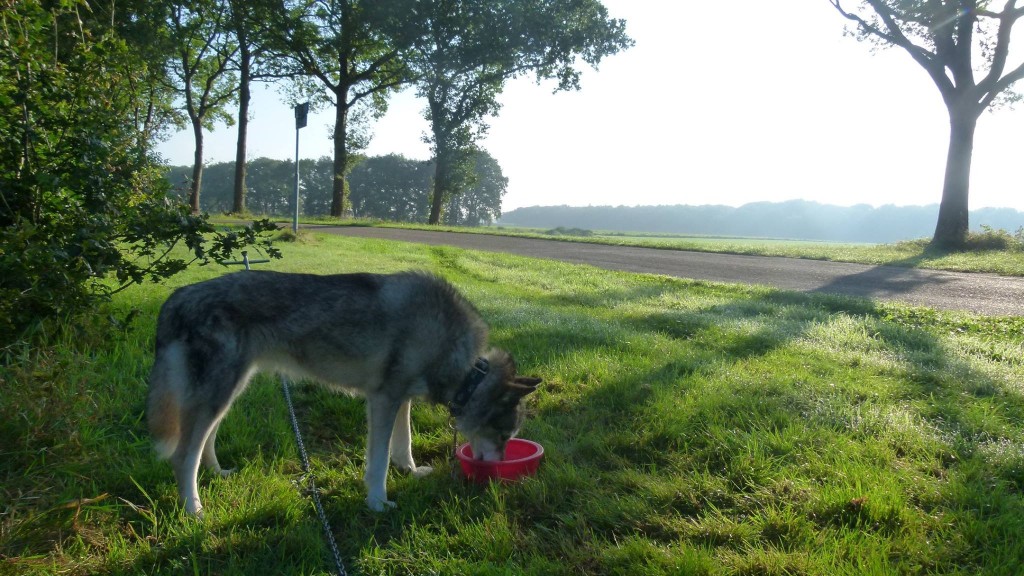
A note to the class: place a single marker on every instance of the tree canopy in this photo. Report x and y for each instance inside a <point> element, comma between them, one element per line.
<point>86,89</point>
<point>345,60</point>
<point>462,52</point>
<point>391,187</point>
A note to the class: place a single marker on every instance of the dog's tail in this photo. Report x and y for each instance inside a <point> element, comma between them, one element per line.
<point>168,382</point>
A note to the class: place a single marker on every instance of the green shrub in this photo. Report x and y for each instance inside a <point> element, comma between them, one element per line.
<point>84,208</point>
<point>995,239</point>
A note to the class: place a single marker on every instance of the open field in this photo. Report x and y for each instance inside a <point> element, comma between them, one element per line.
<point>713,241</point>
<point>689,428</point>
<point>983,257</point>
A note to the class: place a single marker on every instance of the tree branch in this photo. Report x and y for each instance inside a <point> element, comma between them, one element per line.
<point>894,35</point>
<point>1002,84</point>
<point>1007,18</point>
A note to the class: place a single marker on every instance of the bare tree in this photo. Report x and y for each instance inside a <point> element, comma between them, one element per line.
<point>963,46</point>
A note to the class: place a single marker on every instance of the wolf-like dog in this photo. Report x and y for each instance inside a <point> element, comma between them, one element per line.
<point>389,338</point>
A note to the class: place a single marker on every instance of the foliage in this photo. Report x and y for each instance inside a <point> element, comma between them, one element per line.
<point>479,202</point>
<point>81,199</point>
<point>201,70</point>
<point>996,239</point>
<point>563,231</point>
<point>392,188</point>
<point>462,53</point>
<point>347,61</point>
<point>689,428</point>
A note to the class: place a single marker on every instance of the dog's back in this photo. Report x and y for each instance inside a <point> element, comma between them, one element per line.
<point>357,332</point>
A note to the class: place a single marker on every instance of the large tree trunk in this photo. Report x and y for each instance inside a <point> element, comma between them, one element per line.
<point>197,166</point>
<point>951,229</point>
<point>244,97</point>
<point>339,188</point>
<point>442,178</point>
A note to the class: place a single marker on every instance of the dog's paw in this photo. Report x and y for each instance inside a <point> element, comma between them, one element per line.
<point>379,505</point>
<point>421,471</point>
<point>194,509</point>
<point>224,473</point>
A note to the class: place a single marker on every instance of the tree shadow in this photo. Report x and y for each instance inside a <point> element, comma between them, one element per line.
<point>968,419</point>
<point>628,436</point>
<point>889,282</point>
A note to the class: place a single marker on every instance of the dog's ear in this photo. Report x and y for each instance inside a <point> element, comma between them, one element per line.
<point>522,386</point>
<point>528,382</point>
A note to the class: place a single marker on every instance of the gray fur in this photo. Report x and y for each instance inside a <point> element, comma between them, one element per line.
<point>386,337</point>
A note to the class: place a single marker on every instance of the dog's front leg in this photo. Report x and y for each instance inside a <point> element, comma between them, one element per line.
<point>380,417</point>
<point>401,444</point>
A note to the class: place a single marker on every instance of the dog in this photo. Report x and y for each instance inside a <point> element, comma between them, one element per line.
<point>387,337</point>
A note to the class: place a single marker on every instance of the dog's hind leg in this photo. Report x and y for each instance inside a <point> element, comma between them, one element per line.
<point>381,412</point>
<point>211,397</point>
<point>401,443</point>
<point>209,458</point>
<point>196,427</point>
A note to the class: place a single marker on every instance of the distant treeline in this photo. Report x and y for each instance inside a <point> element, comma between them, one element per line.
<point>391,187</point>
<point>796,219</point>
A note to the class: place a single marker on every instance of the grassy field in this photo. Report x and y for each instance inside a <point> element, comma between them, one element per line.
<point>689,428</point>
<point>996,252</point>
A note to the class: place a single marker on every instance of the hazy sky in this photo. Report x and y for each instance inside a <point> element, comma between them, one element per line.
<point>742,103</point>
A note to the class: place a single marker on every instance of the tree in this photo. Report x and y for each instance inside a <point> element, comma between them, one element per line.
<point>963,46</point>
<point>317,185</point>
<point>81,199</point>
<point>391,187</point>
<point>154,112</point>
<point>256,60</point>
<point>463,51</point>
<point>242,24</point>
<point>201,70</point>
<point>342,47</point>
<point>480,203</point>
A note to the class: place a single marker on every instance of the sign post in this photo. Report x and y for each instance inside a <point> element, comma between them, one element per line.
<point>301,111</point>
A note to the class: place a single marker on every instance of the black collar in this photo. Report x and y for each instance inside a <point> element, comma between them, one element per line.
<point>480,369</point>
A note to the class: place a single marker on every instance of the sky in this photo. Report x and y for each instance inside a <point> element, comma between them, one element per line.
<point>742,103</point>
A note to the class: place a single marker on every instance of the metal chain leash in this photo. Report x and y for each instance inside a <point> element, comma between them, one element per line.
<point>312,490</point>
<point>453,457</point>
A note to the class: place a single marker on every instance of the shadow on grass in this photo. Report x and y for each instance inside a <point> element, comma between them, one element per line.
<point>624,423</point>
<point>645,421</point>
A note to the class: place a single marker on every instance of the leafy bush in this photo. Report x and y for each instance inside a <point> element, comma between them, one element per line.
<point>995,239</point>
<point>81,199</point>
<point>563,231</point>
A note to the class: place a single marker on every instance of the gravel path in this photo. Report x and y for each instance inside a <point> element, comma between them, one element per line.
<point>980,293</point>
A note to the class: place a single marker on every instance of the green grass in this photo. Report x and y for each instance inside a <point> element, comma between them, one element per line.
<point>689,428</point>
<point>988,252</point>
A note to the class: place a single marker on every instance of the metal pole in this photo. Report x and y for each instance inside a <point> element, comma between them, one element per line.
<point>295,220</point>
<point>301,111</point>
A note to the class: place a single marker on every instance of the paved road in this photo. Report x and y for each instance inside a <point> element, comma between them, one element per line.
<point>981,293</point>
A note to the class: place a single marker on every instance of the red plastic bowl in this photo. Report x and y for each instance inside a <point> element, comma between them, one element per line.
<point>522,457</point>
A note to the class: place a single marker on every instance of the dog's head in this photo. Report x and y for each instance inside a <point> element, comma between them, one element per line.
<point>493,414</point>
